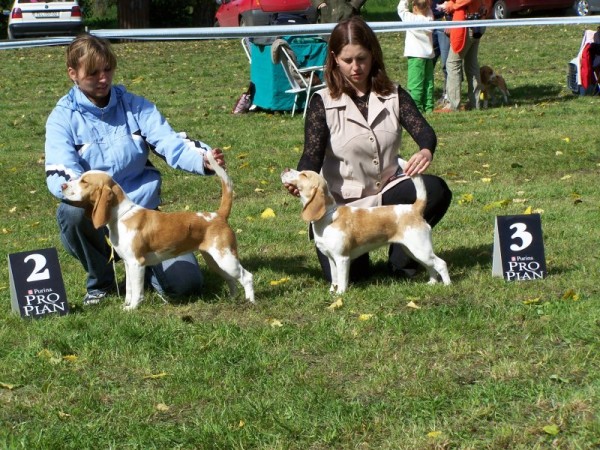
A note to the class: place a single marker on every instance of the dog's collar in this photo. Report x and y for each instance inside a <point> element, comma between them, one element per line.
<point>133,205</point>
<point>327,214</point>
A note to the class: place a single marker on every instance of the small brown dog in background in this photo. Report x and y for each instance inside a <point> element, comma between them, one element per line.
<point>490,81</point>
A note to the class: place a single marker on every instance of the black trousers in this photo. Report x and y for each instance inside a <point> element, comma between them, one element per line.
<point>439,197</point>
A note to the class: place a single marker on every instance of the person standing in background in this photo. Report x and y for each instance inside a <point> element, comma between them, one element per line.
<point>464,51</point>
<point>418,48</point>
<point>331,11</point>
<point>441,47</point>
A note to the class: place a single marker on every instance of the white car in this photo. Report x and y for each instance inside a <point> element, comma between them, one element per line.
<point>35,18</point>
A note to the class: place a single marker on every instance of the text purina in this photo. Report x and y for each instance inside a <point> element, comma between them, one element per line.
<point>43,304</point>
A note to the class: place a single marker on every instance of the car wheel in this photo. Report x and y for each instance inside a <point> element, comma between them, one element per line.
<point>500,10</point>
<point>242,22</point>
<point>581,7</point>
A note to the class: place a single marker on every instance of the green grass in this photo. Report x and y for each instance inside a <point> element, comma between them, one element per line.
<point>483,364</point>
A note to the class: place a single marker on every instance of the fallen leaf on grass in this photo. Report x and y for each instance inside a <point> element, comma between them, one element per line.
<point>531,301</point>
<point>465,198</point>
<point>527,210</point>
<point>498,204</point>
<point>8,386</point>
<point>566,177</point>
<point>275,323</point>
<point>281,280</point>
<point>365,317</point>
<point>267,214</point>
<point>434,434</point>
<point>70,358</point>
<point>155,376</point>
<point>161,407</point>
<point>336,305</point>
<point>570,294</point>
<point>63,415</point>
<point>413,305</point>
<point>552,430</point>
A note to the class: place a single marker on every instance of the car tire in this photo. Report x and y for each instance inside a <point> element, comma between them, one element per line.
<point>581,8</point>
<point>242,22</point>
<point>500,10</point>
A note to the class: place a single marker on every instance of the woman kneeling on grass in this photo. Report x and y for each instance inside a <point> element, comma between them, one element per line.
<point>353,132</point>
<point>104,127</point>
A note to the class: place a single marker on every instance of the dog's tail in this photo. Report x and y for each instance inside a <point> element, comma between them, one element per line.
<point>226,185</point>
<point>421,200</point>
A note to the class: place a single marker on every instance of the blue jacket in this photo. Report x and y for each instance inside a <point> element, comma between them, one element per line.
<point>116,139</point>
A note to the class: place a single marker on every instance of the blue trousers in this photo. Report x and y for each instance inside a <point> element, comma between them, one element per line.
<point>180,276</point>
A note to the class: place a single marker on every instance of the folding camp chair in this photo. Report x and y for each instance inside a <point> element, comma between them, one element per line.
<point>302,80</point>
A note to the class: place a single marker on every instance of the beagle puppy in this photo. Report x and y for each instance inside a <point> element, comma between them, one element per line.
<point>490,81</point>
<point>343,233</point>
<point>145,237</point>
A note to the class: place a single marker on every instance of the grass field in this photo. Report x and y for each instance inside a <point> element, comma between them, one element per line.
<point>480,364</point>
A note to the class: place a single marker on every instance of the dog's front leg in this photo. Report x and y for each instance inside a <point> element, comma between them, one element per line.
<point>342,270</point>
<point>134,281</point>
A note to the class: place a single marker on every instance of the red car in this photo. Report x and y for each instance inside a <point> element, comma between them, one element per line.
<point>240,13</point>
<point>503,9</point>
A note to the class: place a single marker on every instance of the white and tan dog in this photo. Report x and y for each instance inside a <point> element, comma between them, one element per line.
<point>145,237</point>
<point>343,233</point>
<point>490,82</point>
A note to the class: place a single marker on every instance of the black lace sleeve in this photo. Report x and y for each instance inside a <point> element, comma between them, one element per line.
<point>316,136</point>
<point>414,122</point>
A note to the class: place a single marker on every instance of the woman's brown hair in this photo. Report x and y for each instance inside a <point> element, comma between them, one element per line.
<point>95,52</point>
<point>355,31</point>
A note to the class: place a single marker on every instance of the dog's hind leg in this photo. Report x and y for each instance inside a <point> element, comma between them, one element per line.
<point>231,270</point>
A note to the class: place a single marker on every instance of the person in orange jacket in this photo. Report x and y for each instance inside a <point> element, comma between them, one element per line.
<point>464,50</point>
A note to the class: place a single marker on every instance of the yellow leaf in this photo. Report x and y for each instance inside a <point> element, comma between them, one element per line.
<point>161,407</point>
<point>567,140</point>
<point>226,148</point>
<point>302,232</point>
<point>245,165</point>
<point>364,317</point>
<point>63,415</point>
<point>70,358</point>
<point>531,301</point>
<point>8,386</point>
<point>538,211</point>
<point>259,190</point>
<point>527,210</point>
<point>267,214</point>
<point>45,353</point>
<point>558,153</point>
<point>242,155</point>
<point>281,280</point>
<point>566,177</point>
<point>336,305</point>
<point>552,430</point>
<point>497,204</point>
<point>487,166</point>
<point>137,80</point>
<point>5,231</point>
<point>465,198</point>
<point>486,180</point>
<point>519,200</point>
<point>434,434</point>
<point>155,376</point>
<point>12,210</point>
<point>413,305</point>
<point>275,323</point>
<point>242,424</point>
<point>570,294</point>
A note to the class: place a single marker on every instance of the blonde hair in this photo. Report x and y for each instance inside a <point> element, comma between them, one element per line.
<point>422,5</point>
<point>90,52</point>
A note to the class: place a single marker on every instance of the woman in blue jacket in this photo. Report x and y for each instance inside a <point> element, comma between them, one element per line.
<point>104,127</point>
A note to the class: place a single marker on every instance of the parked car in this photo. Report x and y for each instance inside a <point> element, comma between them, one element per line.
<point>239,13</point>
<point>503,9</point>
<point>33,18</point>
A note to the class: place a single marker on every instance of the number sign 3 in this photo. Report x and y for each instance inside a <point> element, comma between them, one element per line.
<point>519,248</point>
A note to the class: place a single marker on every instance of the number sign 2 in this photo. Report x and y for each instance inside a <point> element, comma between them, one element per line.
<point>519,248</point>
<point>36,284</point>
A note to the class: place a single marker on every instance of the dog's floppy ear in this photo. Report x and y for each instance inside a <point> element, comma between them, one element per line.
<point>314,208</point>
<point>102,199</point>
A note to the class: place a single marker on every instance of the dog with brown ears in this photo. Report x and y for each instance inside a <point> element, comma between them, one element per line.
<point>143,237</point>
<point>342,233</point>
<point>491,82</point>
